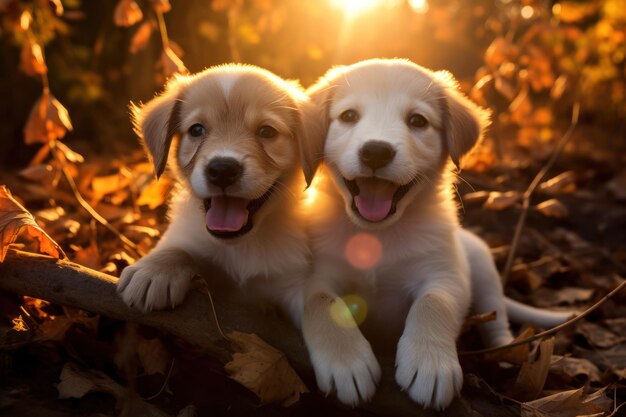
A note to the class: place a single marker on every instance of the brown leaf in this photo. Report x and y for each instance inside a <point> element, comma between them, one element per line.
<point>58,7</point>
<point>598,336</point>
<point>31,58</point>
<point>127,13</point>
<point>77,382</point>
<point>153,355</point>
<point>613,358</point>
<point>516,354</point>
<point>42,173</point>
<point>559,86</point>
<point>564,183</point>
<point>55,327</point>
<point>48,120</point>
<point>88,256</point>
<point>264,370</point>
<point>545,297</point>
<point>142,36</point>
<point>572,403</point>
<point>69,154</point>
<point>533,373</point>
<point>14,218</point>
<point>575,369</point>
<point>161,6</point>
<point>109,184</point>
<point>553,208</point>
<point>499,201</point>
<point>617,186</point>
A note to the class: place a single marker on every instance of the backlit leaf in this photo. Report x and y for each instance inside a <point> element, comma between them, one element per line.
<point>31,58</point>
<point>14,218</point>
<point>553,208</point>
<point>48,120</point>
<point>127,13</point>
<point>533,373</point>
<point>570,403</point>
<point>499,201</point>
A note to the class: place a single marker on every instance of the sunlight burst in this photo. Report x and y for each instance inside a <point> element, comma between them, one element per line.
<point>357,7</point>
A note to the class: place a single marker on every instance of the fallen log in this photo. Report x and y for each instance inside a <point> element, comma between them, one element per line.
<point>66,283</point>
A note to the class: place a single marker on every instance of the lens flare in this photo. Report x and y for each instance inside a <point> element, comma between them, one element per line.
<point>363,251</point>
<point>349,312</point>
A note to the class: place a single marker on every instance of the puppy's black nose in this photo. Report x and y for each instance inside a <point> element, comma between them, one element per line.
<point>223,171</point>
<point>376,154</point>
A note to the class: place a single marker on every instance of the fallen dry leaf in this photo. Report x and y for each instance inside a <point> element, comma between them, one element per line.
<point>598,336</point>
<point>553,208</point>
<point>517,354</point>
<point>153,355</point>
<point>533,373</point>
<point>476,197</point>
<point>127,13</point>
<point>617,186</point>
<point>564,183</point>
<point>42,173</point>
<point>572,403</point>
<point>76,382</point>
<point>264,370</point>
<point>545,297</point>
<point>499,201</point>
<point>48,120</point>
<point>155,193</point>
<point>575,369</point>
<point>14,218</point>
<point>56,327</point>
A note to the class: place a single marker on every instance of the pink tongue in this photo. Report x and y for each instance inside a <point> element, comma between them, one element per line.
<point>375,198</point>
<point>227,214</point>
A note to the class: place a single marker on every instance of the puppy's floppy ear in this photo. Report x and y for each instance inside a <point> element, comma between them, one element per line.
<point>315,122</point>
<point>463,121</point>
<point>156,123</point>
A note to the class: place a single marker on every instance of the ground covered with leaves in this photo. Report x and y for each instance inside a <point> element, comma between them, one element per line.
<point>59,361</point>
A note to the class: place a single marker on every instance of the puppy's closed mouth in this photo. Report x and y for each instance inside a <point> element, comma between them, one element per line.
<point>374,199</point>
<point>228,217</point>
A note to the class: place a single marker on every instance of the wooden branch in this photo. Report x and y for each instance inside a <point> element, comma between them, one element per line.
<point>70,284</point>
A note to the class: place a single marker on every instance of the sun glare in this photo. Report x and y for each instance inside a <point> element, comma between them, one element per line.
<point>419,6</point>
<point>357,7</point>
<point>363,251</point>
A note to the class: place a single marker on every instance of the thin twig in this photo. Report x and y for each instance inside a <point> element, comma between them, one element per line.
<point>167,378</point>
<point>217,321</point>
<point>551,331</point>
<point>85,205</point>
<point>531,188</point>
<point>163,30</point>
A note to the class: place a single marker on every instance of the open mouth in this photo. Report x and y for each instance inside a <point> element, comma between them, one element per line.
<point>374,199</point>
<point>228,217</point>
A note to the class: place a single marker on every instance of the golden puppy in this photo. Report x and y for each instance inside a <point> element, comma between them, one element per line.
<point>234,135</point>
<point>385,228</point>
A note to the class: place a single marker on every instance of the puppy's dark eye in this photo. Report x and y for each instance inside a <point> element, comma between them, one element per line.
<point>417,120</point>
<point>349,116</point>
<point>267,132</point>
<point>197,130</point>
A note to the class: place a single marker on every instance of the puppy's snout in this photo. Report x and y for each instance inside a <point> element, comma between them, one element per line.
<point>223,172</point>
<point>376,154</point>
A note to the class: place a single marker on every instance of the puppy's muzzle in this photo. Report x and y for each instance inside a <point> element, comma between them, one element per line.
<point>223,172</point>
<point>376,154</point>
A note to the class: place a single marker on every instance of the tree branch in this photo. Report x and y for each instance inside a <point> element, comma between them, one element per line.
<point>70,284</point>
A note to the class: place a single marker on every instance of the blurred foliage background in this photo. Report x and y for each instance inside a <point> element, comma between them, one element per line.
<point>527,60</point>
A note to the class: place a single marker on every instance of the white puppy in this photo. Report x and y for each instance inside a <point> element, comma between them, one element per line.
<point>234,131</point>
<point>385,228</point>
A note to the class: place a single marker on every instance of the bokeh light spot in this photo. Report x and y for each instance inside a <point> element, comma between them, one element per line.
<point>363,251</point>
<point>527,12</point>
<point>351,312</point>
<point>419,6</point>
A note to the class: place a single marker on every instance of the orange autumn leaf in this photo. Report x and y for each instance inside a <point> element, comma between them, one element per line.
<point>14,218</point>
<point>141,37</point>
<point>31,58</point>
<point>48,120</point>
<point>127,13</point>
<point>161,6</point>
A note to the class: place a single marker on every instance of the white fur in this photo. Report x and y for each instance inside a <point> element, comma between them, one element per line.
<point>422,276</point>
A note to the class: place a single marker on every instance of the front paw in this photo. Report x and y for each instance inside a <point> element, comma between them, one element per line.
<point>430,372</point>
<point>346,363</point>
<point>157,281</point>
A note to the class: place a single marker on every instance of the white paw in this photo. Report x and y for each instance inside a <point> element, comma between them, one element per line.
<point>429,372</point>
<point>157,281</point>
<point>348,366</point>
